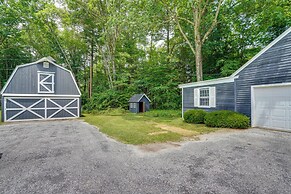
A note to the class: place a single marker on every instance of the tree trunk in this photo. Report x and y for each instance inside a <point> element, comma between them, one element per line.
<point>198,59</point>
<point>168,37</point>
<point>198,45</point>
<point>91,69</point>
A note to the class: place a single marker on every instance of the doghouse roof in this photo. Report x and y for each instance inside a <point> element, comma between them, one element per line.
<point>138,97</point>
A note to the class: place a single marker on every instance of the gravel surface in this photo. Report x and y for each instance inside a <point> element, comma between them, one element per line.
<point>74,157</point>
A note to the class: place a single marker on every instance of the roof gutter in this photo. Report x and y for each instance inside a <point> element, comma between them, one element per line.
<point>209,82</point>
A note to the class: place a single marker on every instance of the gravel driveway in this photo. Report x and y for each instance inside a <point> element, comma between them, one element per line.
<point>74,157</point>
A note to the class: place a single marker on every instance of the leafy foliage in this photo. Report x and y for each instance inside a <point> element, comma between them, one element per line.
<point>194,116</point>
<point>227,119</point>
<point>135,46</point>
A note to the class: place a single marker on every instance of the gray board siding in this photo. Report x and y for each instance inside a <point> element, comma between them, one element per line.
<point>274,66</point>
<point>25,80</point>
<point>224,97</point>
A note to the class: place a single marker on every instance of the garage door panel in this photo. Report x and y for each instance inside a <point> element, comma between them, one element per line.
<point>40,112</point>
<point>278,112</point>
<point>40,104</point>
<point>26,102</point>
<point>12,104</point>
<point>278,124</point>
<point>51,104</point>
<point>262,112</point>
<point>73,104</point>
<point>272,107</point>
<point>63,113</point>
<point>16,108</point>
<point>62,102</point>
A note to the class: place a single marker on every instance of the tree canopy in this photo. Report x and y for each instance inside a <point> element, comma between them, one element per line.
<point>116,48</point>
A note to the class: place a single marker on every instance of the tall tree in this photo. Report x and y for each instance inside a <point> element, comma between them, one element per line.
<point>197,14</point>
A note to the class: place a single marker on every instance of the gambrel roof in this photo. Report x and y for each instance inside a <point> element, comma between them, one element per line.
<point>45,59</point>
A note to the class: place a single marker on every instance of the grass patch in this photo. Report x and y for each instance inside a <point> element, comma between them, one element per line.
<point>145,128</point>
<point>129,130</point>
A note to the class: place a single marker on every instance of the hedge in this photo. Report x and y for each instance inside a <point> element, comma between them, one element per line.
<point>194,116</point>
<point>227,119</point>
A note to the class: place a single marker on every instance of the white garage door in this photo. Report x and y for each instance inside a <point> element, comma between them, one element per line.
<point>271,106</point>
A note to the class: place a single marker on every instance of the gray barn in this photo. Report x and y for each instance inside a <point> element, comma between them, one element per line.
<point>260,89</point>
<point>139,103</point>
<point>40,90</point>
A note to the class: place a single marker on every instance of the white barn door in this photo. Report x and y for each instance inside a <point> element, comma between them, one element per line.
<point>271,106</point>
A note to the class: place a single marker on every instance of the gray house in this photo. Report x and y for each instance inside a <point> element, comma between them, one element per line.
<point>260,89</point>
<point>40,90</point>
<point>139,103</point>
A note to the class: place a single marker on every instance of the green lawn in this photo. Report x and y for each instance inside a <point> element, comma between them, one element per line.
<point>151,127</point>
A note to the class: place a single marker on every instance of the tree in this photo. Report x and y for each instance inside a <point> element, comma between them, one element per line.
<point>200,15</point>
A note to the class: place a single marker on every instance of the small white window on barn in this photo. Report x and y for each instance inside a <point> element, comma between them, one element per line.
<point>46,82</point>
<point>134,105</point>
<point>46,65</point>
<point>205,97</point>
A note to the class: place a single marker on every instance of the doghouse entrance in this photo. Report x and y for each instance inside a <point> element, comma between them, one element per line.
<point>141,107</point>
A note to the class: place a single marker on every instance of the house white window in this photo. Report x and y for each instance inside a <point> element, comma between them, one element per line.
<point>46,82</point>
<point>205,97</point>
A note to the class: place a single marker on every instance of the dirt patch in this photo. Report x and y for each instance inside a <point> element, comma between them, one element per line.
<point>155,147</point>
<point>158,133</point>
<point>178,130</point>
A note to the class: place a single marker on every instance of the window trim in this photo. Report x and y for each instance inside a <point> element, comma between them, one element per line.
<point>199,98</point>
<point>132,105</point>
<point>210,89</point>
<point>43,83</point>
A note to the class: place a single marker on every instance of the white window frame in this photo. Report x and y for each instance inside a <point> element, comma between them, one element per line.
<point>204,97</point>
<point>43,82</point>
<point>211,97</point>
<point>132,105</point>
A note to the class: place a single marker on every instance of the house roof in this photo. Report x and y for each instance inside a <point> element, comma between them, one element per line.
<point>138,97</point>
<point>44,59</point>
<point>209,82</point>
<point>235,74</point>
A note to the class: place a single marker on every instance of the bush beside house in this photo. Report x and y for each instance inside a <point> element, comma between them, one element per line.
<point>227,119</point>
<point>194,116</point>
<point>221,118</point>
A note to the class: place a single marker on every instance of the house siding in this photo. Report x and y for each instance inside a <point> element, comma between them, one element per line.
<point>25,80</point>
<point>273,66</point>
<point>224,97</point>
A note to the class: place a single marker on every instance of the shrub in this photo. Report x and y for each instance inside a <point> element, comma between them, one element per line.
<point>227,119</point>
<point>194,116</point>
